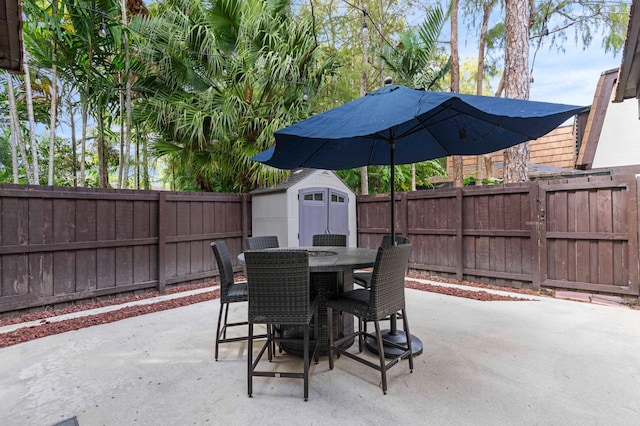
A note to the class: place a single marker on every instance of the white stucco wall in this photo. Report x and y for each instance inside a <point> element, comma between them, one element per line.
<point>619,143</point>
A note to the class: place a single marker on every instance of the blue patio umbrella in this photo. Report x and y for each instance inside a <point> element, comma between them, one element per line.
<point>400,125</point>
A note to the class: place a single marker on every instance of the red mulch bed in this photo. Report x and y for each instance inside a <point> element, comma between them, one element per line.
<point>84,306</point>
<point>46,328</point>
<point>481,295</point>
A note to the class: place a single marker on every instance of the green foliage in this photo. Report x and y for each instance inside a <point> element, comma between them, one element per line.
<point>416,60</point>
<point>6,166</point>
<point>63,161</point>
<point>469,76</point>
<point>216,78</point>
<point>561,21</point>
<point>380,176</point>
<point>219,79</point>
<point>472,180</point>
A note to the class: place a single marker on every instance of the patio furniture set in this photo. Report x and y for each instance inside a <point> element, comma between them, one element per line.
<point>305,298</point>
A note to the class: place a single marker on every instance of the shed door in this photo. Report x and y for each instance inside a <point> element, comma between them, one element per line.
<point>322,211</point>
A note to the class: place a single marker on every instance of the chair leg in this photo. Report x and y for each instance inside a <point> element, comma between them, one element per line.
<point>405,323</point>
<point>250,361</point>
<point>226,321</point>
<point>330,325</point>
<point>305,349</point>
<point>218,329</point>
<point>316,336</point>
<point>271,347</point>
<point>383,369</point>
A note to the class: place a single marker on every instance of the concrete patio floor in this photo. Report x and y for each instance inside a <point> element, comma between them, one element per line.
<point>542,362</point>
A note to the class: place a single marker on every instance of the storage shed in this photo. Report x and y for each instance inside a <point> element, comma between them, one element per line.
<point>310,202</point>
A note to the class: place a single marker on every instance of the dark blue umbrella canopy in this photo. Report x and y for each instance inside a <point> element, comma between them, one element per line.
<point>422,125</point>
<point>399,125</point>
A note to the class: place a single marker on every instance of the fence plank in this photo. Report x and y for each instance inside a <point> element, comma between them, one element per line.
<point>58,245</point>
<point>162,227</point>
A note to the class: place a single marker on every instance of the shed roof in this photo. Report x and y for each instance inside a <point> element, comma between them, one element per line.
<point>11,53</point>
<point>296,176</point>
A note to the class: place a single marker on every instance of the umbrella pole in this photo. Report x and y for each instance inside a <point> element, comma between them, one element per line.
<point>392,334</point>
<point>392,149</point>
<point>393,322</point>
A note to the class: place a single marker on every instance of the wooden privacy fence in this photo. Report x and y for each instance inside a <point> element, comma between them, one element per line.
<point>60,245</point>
<point>578,234</point>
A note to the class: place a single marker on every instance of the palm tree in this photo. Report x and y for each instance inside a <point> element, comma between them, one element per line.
<point>66,38</point>
<point>415,61</point>
<point>221,78</point>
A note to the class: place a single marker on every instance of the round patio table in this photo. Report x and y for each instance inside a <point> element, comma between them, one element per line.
<point>331,272</point>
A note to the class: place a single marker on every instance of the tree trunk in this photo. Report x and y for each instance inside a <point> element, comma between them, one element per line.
<point>103,171</point>
<point>483,160</point>
<point>136,168</point>
<point>74,155</point>
<point>35,177</point>
<point>413,177</point>
<point>84,112</point>
<point>54,99</point>
<point>122,130</point>
<point>127,95</point>
<point>53,119</point>
<point>516,81</point>
<point>458,178</point>
<point>13,137</point>
<point>16,131</point>
<point>145,161</point>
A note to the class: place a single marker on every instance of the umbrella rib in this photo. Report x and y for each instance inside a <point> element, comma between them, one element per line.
<point>375,137</point>
<point>458,113</point>
<point>310,157</point>
<point>426,129</point>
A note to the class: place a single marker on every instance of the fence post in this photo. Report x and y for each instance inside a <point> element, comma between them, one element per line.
<point>162,279</point>
<point>404,207</point>
<point>245,220</point>
<point>634,229</point>
<point>537,220</point>
<point>459,236</point>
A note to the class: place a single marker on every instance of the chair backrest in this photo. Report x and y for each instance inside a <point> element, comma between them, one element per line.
<point>278,286</point>
<point>262,242</point>
<point>386,240</point>
<point>225,267</point>
<point>335,240</point>
<point>387,279</point>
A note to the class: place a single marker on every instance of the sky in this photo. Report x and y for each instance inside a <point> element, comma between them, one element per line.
<point>568,77</point>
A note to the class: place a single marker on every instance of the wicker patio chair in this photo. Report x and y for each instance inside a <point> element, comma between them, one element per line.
<point>262,242</point>
<point>385,297</point>
<point>363,278</point>
<point>230,292</point>
<point>335,240</point>
<point>279,294</point>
